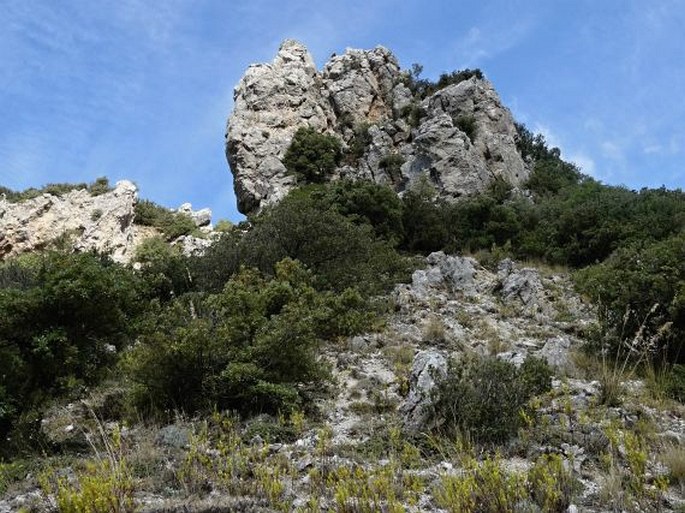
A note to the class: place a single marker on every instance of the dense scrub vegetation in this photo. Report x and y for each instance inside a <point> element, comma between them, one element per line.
<point>239,328</point>
<point>63,318</point>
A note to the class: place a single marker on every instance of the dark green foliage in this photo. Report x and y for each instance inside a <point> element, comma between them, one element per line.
<point>344,232</point>
<point>483,398</point>
<point>250,348</point>
<point>413,113</point>
<point>99,186</point>
<point>642,286</point>
<point>674,382</point>
<point>391,164</point>
<point>425,225</point>
<point>340,252</point>
<point>536,376</point>
<point>171,224</point>
<point>368,202</point>
<point>360,142</point>
<point>56,189</point>
<point>467,124</point>
<point>312,156</point>
<point>163,268</point>
<point>62,320</point>
<point>223,259</point>
<point>422,88</point>
<point>549,177</point>
<point>533,146</point>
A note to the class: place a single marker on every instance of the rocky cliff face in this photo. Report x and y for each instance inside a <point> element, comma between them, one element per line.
<point>103,222</point>
<point>460,137</point>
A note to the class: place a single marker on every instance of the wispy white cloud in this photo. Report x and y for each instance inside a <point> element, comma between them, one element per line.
<point>584,162</point>
<point>612,150</point>
<point>486,41</point>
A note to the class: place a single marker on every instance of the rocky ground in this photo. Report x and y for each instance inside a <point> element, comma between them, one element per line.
<point>364,450</point>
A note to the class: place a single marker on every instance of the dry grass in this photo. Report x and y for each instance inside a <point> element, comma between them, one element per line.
<point>673,456</point>
<point>434,331</point>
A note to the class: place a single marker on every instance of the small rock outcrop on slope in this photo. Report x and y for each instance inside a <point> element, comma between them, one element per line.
<point>103,222</point>
<point>462,136</point>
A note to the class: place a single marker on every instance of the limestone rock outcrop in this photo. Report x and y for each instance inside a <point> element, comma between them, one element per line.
<point>460,137</point>
<point>103,222</point>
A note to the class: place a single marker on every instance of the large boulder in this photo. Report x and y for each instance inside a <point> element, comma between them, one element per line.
<point>465,139</point>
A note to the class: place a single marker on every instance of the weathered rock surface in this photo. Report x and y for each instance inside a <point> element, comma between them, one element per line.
<point>103,223</point>
<point>428,368</point>
<point>366,88</point>
<point>202,218</point>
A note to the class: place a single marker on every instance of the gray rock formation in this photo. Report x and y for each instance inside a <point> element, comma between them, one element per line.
<point>103,223</point>
<point>464,140</point>
<point>202,218</point>
<point>428,368</point>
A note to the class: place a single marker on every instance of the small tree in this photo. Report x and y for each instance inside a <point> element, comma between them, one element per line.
<point>312,156</point>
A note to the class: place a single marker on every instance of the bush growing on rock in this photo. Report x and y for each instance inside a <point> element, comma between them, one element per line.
<point>367,202</point>
<point>482,398</point>
<point>171,224</point>
<point>312,156</point>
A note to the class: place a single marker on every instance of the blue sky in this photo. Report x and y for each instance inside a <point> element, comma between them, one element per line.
<point>141,89</point>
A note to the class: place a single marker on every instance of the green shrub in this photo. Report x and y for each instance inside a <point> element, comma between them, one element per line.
<point>641,288</point>
<point>487,487</point>
<point>550,176</point>
<point>482,398</point>
<point>392,165</point>
<point>220,261</point>
<point>467,124</point>
<point>312,156</point>
<point>171,224</point>
<point>367,202</point>
<point>360,142</point>
<point>99,186</point>
<point>482,487</point>
<point>422,88</point>
<point>62,322</point>
<point>551,484</point>
<point>105,485</point>
<point>413,114</point>
<point>224,225</point>
<point>250,348</point>
<point>536,376</point>
<point>674,382</point>
<point>340,252</point>
<point>424,220</point>
<point>164,269</point>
